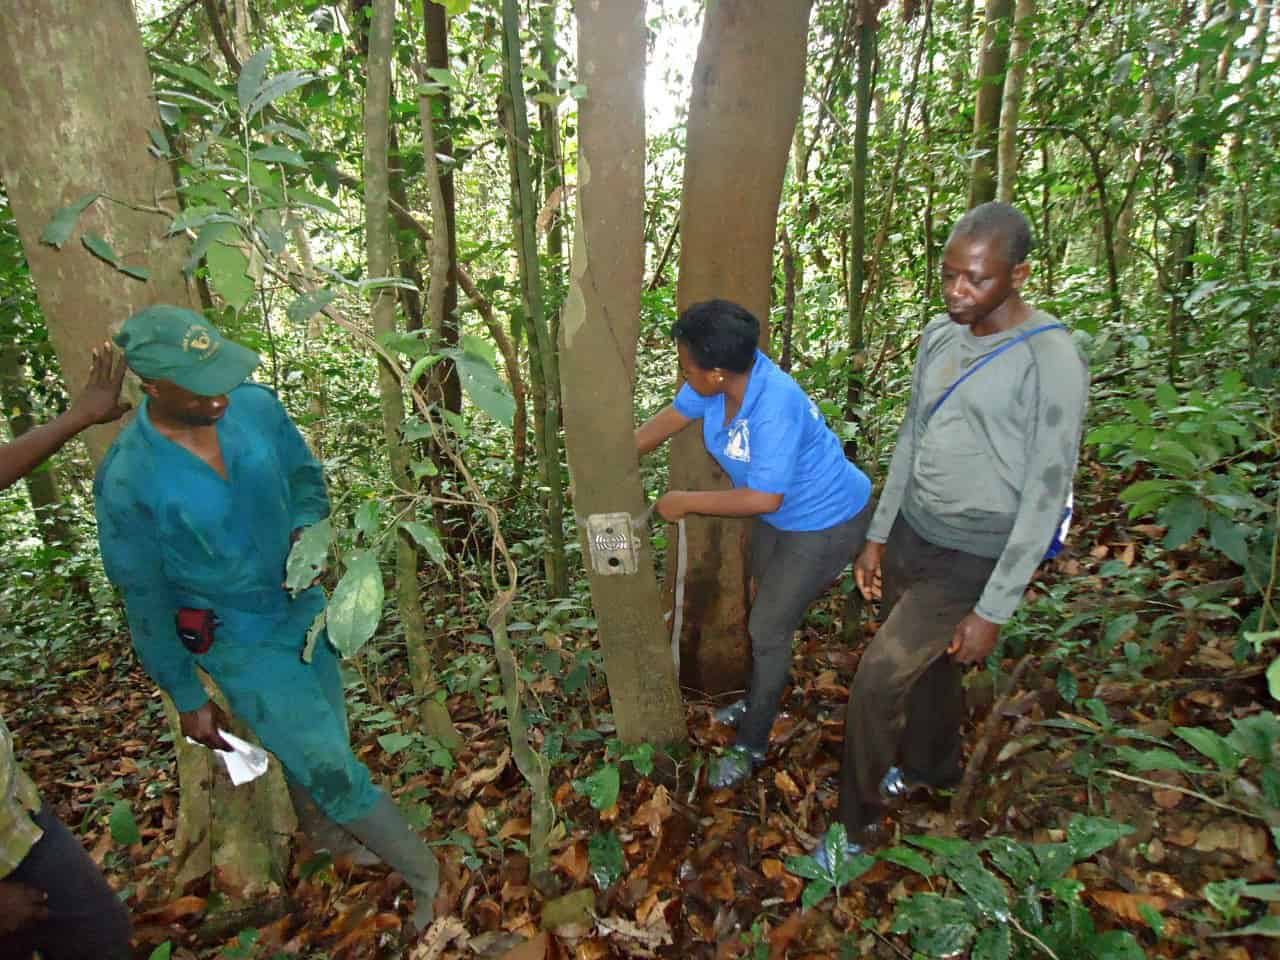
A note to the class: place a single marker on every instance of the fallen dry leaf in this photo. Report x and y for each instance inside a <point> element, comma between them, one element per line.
<point>783,781</point>
<point>653,811</point>
<point>656,934</point>
<point>1127,906</point>
<point>478,778</point>
<point>772,869</point>
<point>517,827</point>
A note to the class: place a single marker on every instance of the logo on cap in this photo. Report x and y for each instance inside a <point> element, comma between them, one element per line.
<point>198,341</point>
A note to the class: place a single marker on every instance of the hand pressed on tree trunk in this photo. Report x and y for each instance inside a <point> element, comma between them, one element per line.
<point>202,726</point>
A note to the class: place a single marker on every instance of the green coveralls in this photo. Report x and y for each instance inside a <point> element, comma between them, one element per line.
<point>175,534</point>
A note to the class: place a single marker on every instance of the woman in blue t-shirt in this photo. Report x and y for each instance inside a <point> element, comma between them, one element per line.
<point>788,471</point>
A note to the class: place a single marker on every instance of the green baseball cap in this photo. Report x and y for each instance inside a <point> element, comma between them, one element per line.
<point>177,344</point>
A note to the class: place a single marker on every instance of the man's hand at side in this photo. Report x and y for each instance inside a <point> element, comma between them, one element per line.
<point>202,726</point>
<point>866,569</point>
<point>974,639</point>
<point>20,905</point>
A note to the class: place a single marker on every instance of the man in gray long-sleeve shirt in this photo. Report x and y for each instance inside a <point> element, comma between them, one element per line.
<point>976,491</point>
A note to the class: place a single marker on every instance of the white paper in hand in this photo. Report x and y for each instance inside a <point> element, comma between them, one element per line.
<point>244,761</point>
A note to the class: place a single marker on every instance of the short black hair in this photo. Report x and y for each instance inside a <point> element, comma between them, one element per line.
<point>997,221</point>
<point>720,335</point>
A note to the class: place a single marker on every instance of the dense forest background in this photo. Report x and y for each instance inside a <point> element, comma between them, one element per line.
<point>459,249</point>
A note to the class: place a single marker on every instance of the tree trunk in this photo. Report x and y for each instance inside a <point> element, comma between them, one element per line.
<point>602,322</point>
<point>986,115</point>
<point>868,24</point>
<point>741,118</point>
<point>1007,154</point>
<point>92,137</point>
<point>542,349</point>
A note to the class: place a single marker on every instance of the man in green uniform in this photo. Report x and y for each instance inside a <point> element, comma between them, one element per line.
<point>198,503</point>
<point>53,897</point>
<point>976,491</point>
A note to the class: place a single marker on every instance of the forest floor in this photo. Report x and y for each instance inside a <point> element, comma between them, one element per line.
<point>705,873</point>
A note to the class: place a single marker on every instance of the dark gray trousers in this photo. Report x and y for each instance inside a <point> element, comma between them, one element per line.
<point>791,568</point>
<point>86,919</point>
<point>906,705</point>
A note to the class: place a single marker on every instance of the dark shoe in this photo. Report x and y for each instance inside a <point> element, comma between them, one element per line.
<point>732,714</point>
<point>385,831</point>
<point>898,783</point>
<point>733,766</point>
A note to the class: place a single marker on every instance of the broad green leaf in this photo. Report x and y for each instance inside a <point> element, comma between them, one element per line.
<point>1273,679</point>
<point>279,155</point>
<point>305,198</point>
<point>607,860</point>
<point>307,556</point>
<point>124,829</point>
<point>284,129</point>
<point>1166,396</point>
<point>366,518</point>
<point>229,274</point>
<point>1087,835</point>
<point>1155,759</point>
<point>1214,747</point>
<point>1116,945</point>
<point>480,347</point>
<point>197,216</point>
<point>1118,627</point>
<point>309,304</point>
<point>59,229</point>
<point>1013,860</point>
<point>253,73</point>
<point>1145,488</point>
<point>393,743</point>
<point>985,891</point>
<point>946,846</point>
<point>1268,926</point>
<point>455,7</point>
<point>600,788</point>
<point>1184,516</point>
<point>1229,537</point>
<point>1270,892</point>
<point>275,88</point>
<point>193,75</point>
<point>939,927</point>
<point>1255,735</point>
<point>1068,686</point>
<point>483,385</point>
<point>993,943</point>
<point>100,248</point>
<point>356,606</point>
<point>815,893</point>
<point>806,867</point>
<point>1055,860</point>
<point>427,538</point>
<point>162,952</point>
<point>909,858</point>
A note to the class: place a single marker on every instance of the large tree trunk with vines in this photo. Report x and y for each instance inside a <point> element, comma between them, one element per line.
<point>994,58</point>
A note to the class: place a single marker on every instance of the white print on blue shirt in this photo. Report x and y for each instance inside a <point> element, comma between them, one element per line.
<point>739,445</point>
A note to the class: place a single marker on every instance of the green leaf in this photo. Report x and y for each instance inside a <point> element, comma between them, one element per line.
<point>1013,860</point>
<point>1255,735</point>
<point>909,858</point>
<point>124,829</point>
<point>314,632</point>
<point>317,864</point>
<point>455,7</point>
<point>1184,517</point>
<point>815,893</point>
<point>1166,396</point>
<point>59,229</point>
<point>307,556</point>
<point>1156,759</point>
<point>607,860</point>
<point>193,75</point>
<point>1055,860</point>
<point>162,952</point>
<point>1273,679</point>
<point>483,385</point>
<point>279,155</point>
<point>429,540</point>
<point>1268,926</point>
<point>938,927</point>
<point>253,73</point>
<point>1214,747</point>
<point>945,846</point>
<point>1087,835</point>
<point>356,606</point>
<point>985,890</point>
<point>1116,945</point>
<point>393,743</point>
<point>309,304</point>
<point>305,198</point>
<point>1068,686</point>
<point>277,87</point>
<point>601,788</point>
<point>993,943</point>
<point>1270,892</point>
<point>229,274</point>
<point>100,248</point>
<point>807,867</point>
<point>1229,537</point>
<point>1118,627</point>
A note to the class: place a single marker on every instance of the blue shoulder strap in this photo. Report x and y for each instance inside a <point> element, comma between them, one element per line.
<point>987,359</point>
